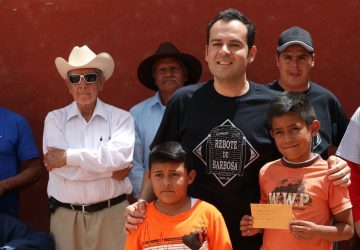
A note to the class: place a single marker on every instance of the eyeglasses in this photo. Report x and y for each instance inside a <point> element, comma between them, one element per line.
<point>88,78</point>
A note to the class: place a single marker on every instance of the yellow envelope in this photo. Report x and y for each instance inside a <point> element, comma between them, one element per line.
<point>274,216</point>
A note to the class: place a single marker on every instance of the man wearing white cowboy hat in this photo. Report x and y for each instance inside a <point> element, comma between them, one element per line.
<point>165,72</point>
<point>84,144</point>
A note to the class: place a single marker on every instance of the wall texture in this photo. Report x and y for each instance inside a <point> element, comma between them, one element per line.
<point>35,32</point>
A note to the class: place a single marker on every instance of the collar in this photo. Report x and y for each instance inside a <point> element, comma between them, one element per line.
<point>156,100</point>
<point>303,164</point>
<point>277,86</point>
<point>99,110</point>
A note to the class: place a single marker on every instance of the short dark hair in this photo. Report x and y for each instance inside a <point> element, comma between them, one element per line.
<point>232,14</point>
<point>291,103</point>
<point>170,151</point>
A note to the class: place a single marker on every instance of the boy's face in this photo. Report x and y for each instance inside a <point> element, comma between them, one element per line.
<point>170,182</point>
<point>293,137</point>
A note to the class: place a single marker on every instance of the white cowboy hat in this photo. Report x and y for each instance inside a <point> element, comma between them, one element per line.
<point>84,57</point>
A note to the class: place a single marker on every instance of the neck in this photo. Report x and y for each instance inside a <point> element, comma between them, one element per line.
<point>231,88</point>
<point>86,110</point>
<point>300,89</point>
<point>174,209</point>
<point>164,97</point>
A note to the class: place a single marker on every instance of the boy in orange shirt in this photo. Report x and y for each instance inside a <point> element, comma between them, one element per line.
<point>321,211</point>
<point>174,220</point>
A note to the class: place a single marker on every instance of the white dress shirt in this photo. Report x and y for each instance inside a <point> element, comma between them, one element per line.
<point>95,149</point>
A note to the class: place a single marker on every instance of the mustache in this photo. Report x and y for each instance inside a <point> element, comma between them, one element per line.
<point>166,79</point>
<point>220,57</point>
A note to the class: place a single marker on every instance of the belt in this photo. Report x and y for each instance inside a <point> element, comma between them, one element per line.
<point>54,204</point>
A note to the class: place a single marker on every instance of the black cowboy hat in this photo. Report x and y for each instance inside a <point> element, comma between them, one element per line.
<point>167,49</point>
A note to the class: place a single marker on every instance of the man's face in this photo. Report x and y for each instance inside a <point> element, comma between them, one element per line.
<point>227,53</point>
<point>82,92</point>
<point>168,75</point>
<point>295,64</point>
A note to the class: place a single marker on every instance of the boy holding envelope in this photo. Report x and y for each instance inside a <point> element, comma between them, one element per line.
<point>321,212</point>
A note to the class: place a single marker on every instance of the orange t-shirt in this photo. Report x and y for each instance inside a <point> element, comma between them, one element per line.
<point>201,227</point>
<point>312,196</point>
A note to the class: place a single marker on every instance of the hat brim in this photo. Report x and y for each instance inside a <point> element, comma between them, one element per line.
<point>285,45</point>
<point>102,61</point>
<point>192,64</point>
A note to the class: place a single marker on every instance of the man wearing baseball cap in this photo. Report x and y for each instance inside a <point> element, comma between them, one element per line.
<point>164,72</point>
<point>85,144</point>
<point>295,60</point>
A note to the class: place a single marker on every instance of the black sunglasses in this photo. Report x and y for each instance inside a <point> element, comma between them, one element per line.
<point>88,78</point>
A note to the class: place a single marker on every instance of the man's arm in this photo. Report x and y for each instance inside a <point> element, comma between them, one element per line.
<point>135,213</point>
<point>138,169</point>
<point>355,194</point>
<point>112,156</point>
<point>169,130</point>
<point>341,123</point>
<point>147,192</point>
<point>115,154</point>
<point>29,174</point>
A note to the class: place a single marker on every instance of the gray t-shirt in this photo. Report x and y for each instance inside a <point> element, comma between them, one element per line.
<point>349,148</point>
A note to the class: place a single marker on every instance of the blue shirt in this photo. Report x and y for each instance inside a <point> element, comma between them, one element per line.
<point>147,116</point>
<point>16,235</point>
<point>17,144</point>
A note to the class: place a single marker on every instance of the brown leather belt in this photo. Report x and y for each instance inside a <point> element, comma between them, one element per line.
<point>54,204</point>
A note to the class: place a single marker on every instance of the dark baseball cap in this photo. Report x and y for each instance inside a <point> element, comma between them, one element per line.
<point>295,35</point>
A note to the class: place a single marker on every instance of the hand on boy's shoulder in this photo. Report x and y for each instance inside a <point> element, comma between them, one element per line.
<point>134,215</point>
<point>339,171</point>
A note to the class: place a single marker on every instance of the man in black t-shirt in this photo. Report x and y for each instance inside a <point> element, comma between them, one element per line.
<point>223,124</point>
<point>295,60</point>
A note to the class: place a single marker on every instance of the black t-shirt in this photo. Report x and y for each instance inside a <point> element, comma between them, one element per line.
<point>229,141</point>
<point>333,120</point>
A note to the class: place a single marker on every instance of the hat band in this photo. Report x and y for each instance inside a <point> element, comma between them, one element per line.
<point>305,45</point>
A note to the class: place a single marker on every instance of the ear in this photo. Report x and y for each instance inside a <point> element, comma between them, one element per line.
<point>191,176</point>
<point>314,127</point>
<point>101,83</point>
<point>252,53</point>
<point>313,60</point>
<point>272,133</point>
<point>277,59</point>
<point>206,52</point>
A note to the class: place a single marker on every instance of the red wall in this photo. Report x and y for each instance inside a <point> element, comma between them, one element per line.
<point>35,32</point>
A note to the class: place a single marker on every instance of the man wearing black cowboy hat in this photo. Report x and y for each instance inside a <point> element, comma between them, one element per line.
<point>165,72</point>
